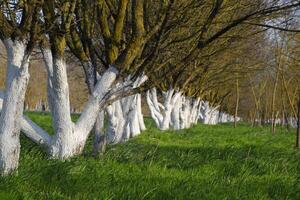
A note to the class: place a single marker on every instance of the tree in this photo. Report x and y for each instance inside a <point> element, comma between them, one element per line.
<point>19,31</point>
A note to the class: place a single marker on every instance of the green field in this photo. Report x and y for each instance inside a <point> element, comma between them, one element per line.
<point>204,162</point>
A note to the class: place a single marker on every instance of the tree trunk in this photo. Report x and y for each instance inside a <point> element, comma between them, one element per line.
<point>70,138</point>
<point>100,137</point>
<point>154,106</point>
<point>31,130</point>
<point>273,114</point>
<point>99,145</point>
<point>175,114</point>
<point>15,88</point>
<point>125,115</point>
<point>140,113</point>
<point>161,113</point>
<point>115,122</point>
<point>58,97</point>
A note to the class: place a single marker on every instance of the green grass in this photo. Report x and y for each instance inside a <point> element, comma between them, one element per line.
<point>204,162</point>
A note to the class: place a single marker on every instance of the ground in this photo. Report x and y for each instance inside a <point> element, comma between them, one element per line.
<point>204,162</point>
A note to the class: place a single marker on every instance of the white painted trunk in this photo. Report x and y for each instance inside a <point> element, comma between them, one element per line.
<point>140,113</point>
<point>209,115</point>
<point>188,112</point>
<point>70,138</point>
<point>154,109</point>
<point>31,130</point>
<point>175,115</point>
<point>94,105</point>
<point>124,119</point>
<point>133,117</point>
<point>115,122</point>
<point>63,142</point>
<point>161,113</point>
<point>165,124</point>
<point>184,113</point>
<point>128,115</point>
<point>11,115</point>
<point>100,139</point>
<point>125,116</point>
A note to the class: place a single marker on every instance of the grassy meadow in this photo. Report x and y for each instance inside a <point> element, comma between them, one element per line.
<point>204,162</point>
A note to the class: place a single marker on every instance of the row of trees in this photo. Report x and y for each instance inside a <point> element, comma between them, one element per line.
<point>270,95</point>
<point>186,50</point>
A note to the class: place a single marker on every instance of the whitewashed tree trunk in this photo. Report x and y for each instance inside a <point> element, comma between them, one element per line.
<point>125,115</point>
<point>58,97</point>
<point>132,125</point>
<point>161,113</point>
<point>140,113</point>
<point>11,115</point>
<point>154,106</point>
<point>31,130</point>
<point>175,115</point>
<point>115,122</point>
<point>209,115</point>
<point>137,123</point>
<point>92,108</point>
<point>91,77</point>
<point>185,113</point>
<point>70,138</point>
<point>35,133</point>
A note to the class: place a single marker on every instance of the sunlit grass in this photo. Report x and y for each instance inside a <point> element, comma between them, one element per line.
<point>204,162</point>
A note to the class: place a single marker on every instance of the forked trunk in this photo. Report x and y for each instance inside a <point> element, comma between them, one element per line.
<point>70,138</point>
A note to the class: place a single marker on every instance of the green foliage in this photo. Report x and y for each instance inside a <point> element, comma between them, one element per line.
<point>204,162</point>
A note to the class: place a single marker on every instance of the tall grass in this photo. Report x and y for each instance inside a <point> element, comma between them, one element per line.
<point>204,162</point>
